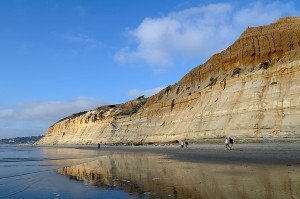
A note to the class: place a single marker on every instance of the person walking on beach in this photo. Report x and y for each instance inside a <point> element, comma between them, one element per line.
<point>226,144</point>
<point>186,144</point>
<point>231,143</point>
<point>98,145</point>
<point>181,143</point>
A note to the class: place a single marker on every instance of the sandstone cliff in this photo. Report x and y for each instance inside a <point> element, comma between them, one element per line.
<point>251,89</point>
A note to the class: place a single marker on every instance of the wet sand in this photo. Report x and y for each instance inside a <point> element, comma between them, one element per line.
<point>260,153</point>
<point>31,172</point>
<point>203,171</point>
<point>168,172</point>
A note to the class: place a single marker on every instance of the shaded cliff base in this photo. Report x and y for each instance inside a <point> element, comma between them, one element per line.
<point>218,141</point>
<point>250,140</point>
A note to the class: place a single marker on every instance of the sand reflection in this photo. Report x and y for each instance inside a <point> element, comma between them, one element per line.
<point>159,177</point>
<point>68,156</point>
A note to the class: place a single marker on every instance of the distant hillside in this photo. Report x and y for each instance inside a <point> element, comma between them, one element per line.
<point>21,140</point>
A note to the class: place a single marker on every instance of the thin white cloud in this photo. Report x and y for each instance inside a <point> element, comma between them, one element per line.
<point>33,118</point>
<point>257,14</point>
<point>12,131</point>
<point>80,10</point>
<point>86,41</point>
<point>196,32</point>
<point>6,113</point>
<point>134,93</point>
<point>48,111</point>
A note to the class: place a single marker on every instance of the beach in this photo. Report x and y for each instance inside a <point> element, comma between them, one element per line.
<point>269,170</point>
<point>261,153</point>
<point>257,170</point>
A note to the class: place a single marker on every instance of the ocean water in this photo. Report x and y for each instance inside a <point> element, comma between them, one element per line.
<point>31,172</point>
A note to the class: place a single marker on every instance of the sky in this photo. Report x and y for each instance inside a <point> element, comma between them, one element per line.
<point>61,57</point>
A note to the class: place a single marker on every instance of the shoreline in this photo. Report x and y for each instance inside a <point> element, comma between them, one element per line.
<point>219,141</point>
<point>256,153</point>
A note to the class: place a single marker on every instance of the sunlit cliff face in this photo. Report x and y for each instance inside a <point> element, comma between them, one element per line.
<point>159,177</point>
<point>249,90</point>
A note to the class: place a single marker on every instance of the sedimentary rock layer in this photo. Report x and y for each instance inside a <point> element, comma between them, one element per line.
<point>251,89</point>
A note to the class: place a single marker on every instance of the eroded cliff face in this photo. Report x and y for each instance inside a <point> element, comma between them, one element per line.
<point>251,89</point>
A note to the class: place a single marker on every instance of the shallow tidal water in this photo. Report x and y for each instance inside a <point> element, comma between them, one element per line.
<point>30,172</point>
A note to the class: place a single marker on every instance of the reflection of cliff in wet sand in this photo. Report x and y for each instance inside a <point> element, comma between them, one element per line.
<point>164,178</point>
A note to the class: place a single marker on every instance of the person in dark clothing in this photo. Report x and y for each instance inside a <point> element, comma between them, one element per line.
<point>98,145</point>
<point>186,144</point>
<point>231,144</point>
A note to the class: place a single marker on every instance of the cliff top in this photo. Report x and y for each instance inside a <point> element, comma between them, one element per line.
<point>256,45</point>
<point>278,26</point>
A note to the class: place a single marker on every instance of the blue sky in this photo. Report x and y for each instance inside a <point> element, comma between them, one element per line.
<point>61,57</point>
